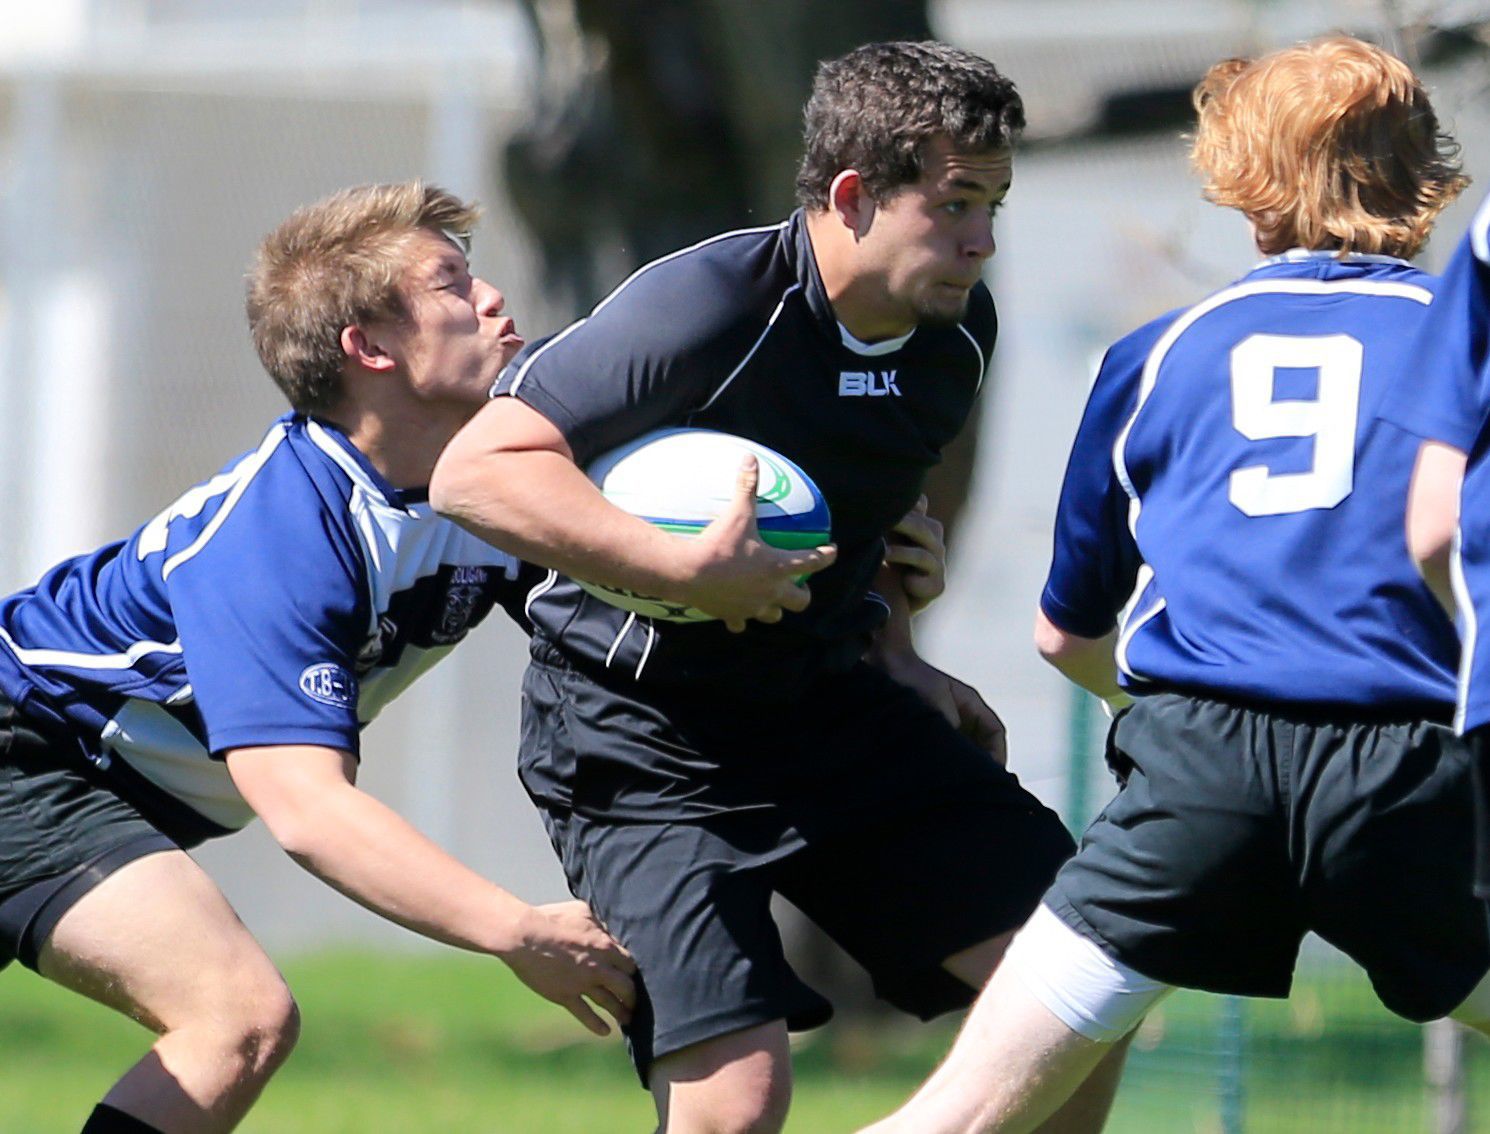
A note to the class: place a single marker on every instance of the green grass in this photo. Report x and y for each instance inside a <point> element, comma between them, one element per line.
<point>444,1042</point>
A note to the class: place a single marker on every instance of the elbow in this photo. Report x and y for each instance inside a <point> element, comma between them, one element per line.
<point>1051,641</point>
<point>296,832</point>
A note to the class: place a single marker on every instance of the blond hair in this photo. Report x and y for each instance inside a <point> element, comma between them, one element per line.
<point>333,264</point>
<point>1327,144</point>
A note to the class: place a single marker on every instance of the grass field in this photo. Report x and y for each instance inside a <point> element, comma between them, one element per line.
<point>443,1042</point>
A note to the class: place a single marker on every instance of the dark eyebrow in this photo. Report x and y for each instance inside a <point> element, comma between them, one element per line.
<point>967,185</point>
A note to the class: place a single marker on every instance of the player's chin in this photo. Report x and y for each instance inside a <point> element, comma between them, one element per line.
<point>945,308</point>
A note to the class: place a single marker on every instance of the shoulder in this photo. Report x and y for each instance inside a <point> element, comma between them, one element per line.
<point>981,320</point>
<point>681,306</point>
<point>1133,351</point>
<point>725,276</point>
<point>276,503</point>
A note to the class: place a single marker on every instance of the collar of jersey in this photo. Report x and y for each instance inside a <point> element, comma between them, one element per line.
<point>355,464</point>
<point>859,346</point>
<point>1305,255</point>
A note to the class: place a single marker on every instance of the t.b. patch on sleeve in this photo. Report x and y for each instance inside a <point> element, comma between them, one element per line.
<point>329,684</point>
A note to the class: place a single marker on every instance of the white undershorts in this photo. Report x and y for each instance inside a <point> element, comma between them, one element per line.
<point>1091,993</point>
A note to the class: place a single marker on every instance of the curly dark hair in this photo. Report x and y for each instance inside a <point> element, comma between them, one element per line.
<point>874,109</point>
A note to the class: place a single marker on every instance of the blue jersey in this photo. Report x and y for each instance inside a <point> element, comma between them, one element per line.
<point>284,601</point>
<point>1448,400</point>
<point>737,334</point>
<point>1234,506</point>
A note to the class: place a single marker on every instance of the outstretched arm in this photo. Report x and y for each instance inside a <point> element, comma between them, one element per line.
<point>509,477</point>
<point>307,797</point>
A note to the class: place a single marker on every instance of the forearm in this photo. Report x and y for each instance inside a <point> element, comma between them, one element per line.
<point>1089,662</point>
<point>372,855</point>
<point>538,505</point>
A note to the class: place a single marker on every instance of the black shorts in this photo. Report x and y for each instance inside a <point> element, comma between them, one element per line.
<point>63,830</point>
<point>1479,743</point>
<point>914,846</point>
<point>1237,830</point>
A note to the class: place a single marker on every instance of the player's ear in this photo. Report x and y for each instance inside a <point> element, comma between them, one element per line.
<point>850,202</point>
<point>364,350</point>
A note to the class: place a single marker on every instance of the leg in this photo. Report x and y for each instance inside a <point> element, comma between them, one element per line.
<point>157,941</point>
<point>1013,1066</point>
<point>739,1083</point>
<point>1087,1109</point>
<point>1091,1101</point>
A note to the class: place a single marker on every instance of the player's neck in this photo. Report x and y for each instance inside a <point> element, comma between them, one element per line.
<point>859,302</point>
<point>402,447</point>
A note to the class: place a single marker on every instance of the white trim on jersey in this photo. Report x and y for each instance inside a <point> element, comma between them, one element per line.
<point>537,591</point>
<point>641,662</point>
<point>755,346</point>
<point>323,440</point>
<point>1469,628</point>
<point>1303,255</point>
<point>163,750</point>
<point>241,475</point>
<point>780,226</point>
<point>1126,628</point>
<point>626,626</point>
<point>527,364</point>
<point>537,354</point>
<point>74,660</point>
<point>982,362</point>
<point>1479,232</point>
<point>886,346</point>
<point>1384,288</point>
<point>383,526</point>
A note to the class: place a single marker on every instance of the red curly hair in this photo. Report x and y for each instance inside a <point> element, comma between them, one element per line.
<point>1326,144</point>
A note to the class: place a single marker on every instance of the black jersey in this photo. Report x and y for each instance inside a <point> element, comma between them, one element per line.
<point>737,334</point>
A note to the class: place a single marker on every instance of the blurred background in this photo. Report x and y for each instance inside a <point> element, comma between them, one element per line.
<point>146,145</point>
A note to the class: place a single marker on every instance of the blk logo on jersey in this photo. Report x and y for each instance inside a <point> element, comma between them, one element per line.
<point>867,384</point>
<point>329,684</point>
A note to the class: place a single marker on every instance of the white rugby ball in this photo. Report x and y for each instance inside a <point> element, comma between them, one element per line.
<point>680,480</point>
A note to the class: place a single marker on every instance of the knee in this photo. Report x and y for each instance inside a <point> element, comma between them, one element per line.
<point>273,1032</point>
<point>733,1105</point>
<point>741,1112</point>
<point>759,1112</point>
<point>258,1029</point>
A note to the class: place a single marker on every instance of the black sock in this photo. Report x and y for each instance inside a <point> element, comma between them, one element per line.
<point>107,1120</point>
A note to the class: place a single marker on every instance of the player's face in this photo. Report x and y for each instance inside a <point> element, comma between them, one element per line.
<point>456,339</point>
<point>930,241</point>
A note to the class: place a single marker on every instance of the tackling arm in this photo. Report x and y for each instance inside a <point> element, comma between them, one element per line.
<point>510,478</point>
<point>307,797</point>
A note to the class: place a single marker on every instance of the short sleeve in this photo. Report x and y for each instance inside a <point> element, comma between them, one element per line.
<point>650,354</point>
<point>269,608</point>
<point>1095,561</point>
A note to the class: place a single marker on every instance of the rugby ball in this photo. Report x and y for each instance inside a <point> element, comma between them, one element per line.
<point>680,479</point>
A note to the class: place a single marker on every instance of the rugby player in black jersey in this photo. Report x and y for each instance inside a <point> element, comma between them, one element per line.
<point>796,746</point>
